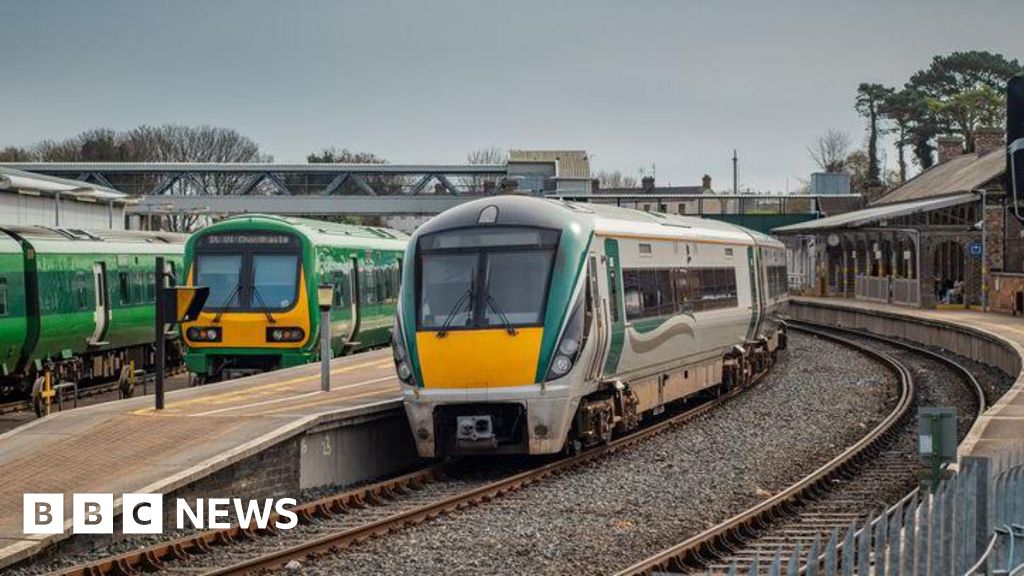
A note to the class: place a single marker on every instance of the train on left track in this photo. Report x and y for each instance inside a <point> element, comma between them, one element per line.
<point>532,326</point>
<point>263,273</point>
<point>77,305</point>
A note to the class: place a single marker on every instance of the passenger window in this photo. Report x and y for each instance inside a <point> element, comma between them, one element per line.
<point>3,296</point>
<point>123,288</point>
<point>80,291</point>
<point>631,293</point>
<point>150,287</point>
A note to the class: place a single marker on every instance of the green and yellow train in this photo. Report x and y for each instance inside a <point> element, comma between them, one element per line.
<point>75,304</point>
<point>263,273</point>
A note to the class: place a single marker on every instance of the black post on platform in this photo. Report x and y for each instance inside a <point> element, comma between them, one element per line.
<point>158,360</point>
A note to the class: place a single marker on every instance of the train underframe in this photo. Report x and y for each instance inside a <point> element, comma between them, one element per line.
<point>87,369</point>
<point>619,407</point>
<point>544,424</point>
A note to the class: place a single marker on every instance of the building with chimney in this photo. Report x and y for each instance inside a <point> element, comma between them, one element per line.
<point>941,239</point>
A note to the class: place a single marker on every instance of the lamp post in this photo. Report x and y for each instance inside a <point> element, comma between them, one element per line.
<point>324,298</point>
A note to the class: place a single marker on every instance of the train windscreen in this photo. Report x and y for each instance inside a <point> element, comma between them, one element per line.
<point>222,274</point>
<point>485,277</point>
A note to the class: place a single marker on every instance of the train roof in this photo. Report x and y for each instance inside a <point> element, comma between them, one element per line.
<point>320,231</point>
<point>601,219</point>
<point>45,239</point>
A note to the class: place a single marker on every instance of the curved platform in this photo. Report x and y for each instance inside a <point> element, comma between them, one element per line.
<point>989,338</point>
<point>127,446</point>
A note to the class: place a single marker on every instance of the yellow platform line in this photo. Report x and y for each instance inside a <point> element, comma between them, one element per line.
<point>334,400</point>
<point>287,398</point>
<point>263,389</point>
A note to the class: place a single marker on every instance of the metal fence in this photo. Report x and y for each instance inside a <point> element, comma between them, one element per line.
<point>973,523</point>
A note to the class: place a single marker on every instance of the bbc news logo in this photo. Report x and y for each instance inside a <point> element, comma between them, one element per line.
<point>144,513</point>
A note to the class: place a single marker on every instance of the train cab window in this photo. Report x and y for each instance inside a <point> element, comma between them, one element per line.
<point>445,288</point>
<point>274,280</point>
<point>123,287</point>
<point>3,296</point>
<point>485,277</point>
<point>508,295</point>
<point>221,273</point>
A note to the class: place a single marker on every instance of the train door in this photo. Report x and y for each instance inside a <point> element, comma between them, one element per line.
<point>101,311</point>
<point>616,315</point>
<point>598,309</point>
<point>756,296</point>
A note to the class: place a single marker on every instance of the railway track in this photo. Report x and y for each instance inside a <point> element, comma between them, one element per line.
<point>357,515</point>
<point>849,490</point>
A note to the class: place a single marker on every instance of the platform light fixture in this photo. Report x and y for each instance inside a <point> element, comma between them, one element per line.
<point>324,299</point>
<point>325,296</point>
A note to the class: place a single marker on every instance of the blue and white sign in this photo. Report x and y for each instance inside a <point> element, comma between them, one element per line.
<point>975,248</point>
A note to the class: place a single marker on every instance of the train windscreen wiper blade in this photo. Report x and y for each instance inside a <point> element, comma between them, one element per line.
<point>263,305</point>
<point>227,303</point>
<point>501,314</point>
<point>466,296</point>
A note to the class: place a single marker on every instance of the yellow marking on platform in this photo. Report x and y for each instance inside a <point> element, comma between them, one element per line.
<point>334,400</point>
<point>479,358</point>
<point>287,398</point>
<point>263,389</point>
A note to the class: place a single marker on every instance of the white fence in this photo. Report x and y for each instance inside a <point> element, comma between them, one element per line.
<point>972,524</point>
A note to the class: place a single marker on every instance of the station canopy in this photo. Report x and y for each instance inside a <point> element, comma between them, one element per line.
<point>876,214</point>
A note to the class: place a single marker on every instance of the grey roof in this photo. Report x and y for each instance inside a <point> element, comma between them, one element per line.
<point>961,174</point>
<point>656,191</point>
<point>15,180</point>
<point>875,214</point>
<point>571,164</point>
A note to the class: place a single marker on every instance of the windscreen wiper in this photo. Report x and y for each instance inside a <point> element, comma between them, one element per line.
<point>227,303</point>
<point>501,314</point>
<point>466,296</point>
<point>263,305</point>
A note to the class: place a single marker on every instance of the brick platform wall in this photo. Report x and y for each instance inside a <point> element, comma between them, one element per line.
<point>1003,292</point>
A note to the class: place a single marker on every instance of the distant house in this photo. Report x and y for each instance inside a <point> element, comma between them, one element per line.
<point>920,244</point>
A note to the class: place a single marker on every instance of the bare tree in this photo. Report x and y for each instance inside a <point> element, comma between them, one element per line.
<point>830,150</point>
<point>492,156</point>
<point>615,179</point>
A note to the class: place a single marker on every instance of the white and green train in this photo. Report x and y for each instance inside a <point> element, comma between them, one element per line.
<point>531,326</point>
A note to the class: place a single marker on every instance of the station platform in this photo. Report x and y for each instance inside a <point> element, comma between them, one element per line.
<point>970,333</point>
<point>128,446</point>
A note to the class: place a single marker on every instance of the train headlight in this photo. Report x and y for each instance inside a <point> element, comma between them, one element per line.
<point>400,354</point>
<point>285,334</point>
<point>403,371</point>
<point>569,346</point>
<point>203,334</point>
<point>561,365</point>
<point>568,349</point>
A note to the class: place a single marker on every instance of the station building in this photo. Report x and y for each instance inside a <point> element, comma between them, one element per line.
<point>27,199</point>
<point>946,237</point>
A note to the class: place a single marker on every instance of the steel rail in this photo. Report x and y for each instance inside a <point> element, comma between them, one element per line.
<point>155,557</point>
<point>696,551</point>
<point>473,497</point>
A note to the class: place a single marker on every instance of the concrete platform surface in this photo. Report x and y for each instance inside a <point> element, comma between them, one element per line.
<point>1002,425</point>
<point>127,446</point>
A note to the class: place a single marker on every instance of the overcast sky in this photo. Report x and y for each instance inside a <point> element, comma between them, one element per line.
<point>677,84</point>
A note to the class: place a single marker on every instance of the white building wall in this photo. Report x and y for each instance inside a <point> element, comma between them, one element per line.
<point>28,210</point>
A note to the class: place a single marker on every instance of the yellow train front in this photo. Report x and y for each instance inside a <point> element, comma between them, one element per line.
<point>529,326</point>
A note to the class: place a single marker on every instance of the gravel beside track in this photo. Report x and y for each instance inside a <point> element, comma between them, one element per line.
<point>820,398</point>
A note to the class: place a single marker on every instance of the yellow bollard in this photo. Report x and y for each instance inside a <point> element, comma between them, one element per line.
<point>47,392</point>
